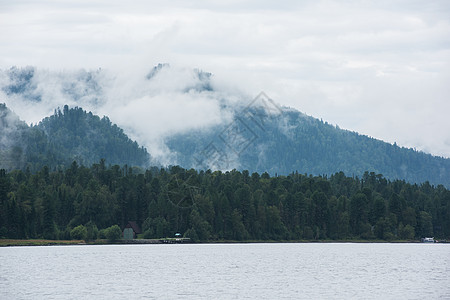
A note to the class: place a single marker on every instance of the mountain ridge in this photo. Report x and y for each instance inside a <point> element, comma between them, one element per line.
<point>320,148</point>
<point>294,141</point>
<point>260,137</point>
<point>69,135</point>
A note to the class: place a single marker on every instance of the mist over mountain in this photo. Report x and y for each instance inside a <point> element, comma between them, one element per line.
<point>185,117</point>
<point>289,141</point>
<point>149,103</point>
<point>12,130</point>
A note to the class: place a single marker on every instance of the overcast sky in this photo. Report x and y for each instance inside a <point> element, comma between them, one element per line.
<point>381,68</point>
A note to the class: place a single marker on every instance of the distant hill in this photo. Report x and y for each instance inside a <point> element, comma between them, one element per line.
<point>290,141</point>
<point>68,135</point>
<point>12,133</point>
<point>87,138</point>
<point>262,137</point>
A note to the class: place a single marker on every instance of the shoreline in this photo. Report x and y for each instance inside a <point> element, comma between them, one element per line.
<point>43,242</point>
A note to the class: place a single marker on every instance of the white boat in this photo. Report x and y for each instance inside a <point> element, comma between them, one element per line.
<point>428,240</point>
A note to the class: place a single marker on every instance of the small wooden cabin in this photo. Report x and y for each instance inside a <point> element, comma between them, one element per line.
<point>131,230</point>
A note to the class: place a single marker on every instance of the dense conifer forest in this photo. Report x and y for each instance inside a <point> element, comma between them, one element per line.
<point>294,141</point>
<point>209,206</point>
<point>55,183</point>
<point>67,135</point>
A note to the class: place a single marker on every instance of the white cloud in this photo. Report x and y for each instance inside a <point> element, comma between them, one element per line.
<point>149,110</point>
<point>381,68</point>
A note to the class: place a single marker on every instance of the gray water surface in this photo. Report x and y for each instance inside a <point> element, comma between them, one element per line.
<point>227,271</point>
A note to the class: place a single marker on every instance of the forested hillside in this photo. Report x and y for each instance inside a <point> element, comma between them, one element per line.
<point>58,140</point>
<point>291,141</point>
<point>262,136</point>
<point>87,138</point>
<point>215,205</point>
<point>22,146</point>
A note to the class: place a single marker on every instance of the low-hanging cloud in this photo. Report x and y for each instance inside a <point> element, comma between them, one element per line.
<point>150,105</point>
<point>380,68</point>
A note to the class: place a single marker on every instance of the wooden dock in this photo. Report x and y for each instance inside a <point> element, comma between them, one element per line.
<point>175,240</point>
<point>157,241</point>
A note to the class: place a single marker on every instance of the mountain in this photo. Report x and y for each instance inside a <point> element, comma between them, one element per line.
<point>22,146</point>
<point>267,138</point>
<point>87,138</point>
<point>12,130</point>
<point>261,137</point>
<point>68,135</point>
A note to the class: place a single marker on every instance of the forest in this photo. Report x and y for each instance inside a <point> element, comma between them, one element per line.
<point>67,135</point>
<point>214,206</point>
<point>294,141</point>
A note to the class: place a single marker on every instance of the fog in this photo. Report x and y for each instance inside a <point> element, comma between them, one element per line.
<point>380,68</point>
<point>172,100</point>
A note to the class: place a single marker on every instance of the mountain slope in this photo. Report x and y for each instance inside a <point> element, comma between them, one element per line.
<point>291,141</point>
<point>22,146</point>
<point>68,135</point>
<point>86,138</point>
<point>12,130</point>
<point>261,138</point>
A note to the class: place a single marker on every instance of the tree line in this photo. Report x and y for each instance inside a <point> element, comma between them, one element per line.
<point>83,201</point>
<point>294,141</point>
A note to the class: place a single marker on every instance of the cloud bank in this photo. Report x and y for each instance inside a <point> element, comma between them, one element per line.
<point>380,68</point>
<point>149,106</point>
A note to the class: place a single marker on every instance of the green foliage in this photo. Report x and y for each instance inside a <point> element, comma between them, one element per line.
<point>294,141</point>
<point>3,232</point>
<point>200,226</point>
<point>64,234</point>
<point>425,227</point>
<point>149,234</point>
<point>156,228</point>
<point>113,233</point>
<point>68,135</point>
<point>192,234</point>
<point>221,206</point>
<point>406,232</point>
<point>382,229</point>
<point>79,233</point>
<point>92,231</point>
<point>102,234</point>
<point>80,135</point>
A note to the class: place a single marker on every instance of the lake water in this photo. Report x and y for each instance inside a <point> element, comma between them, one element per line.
<point>227,271</point>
